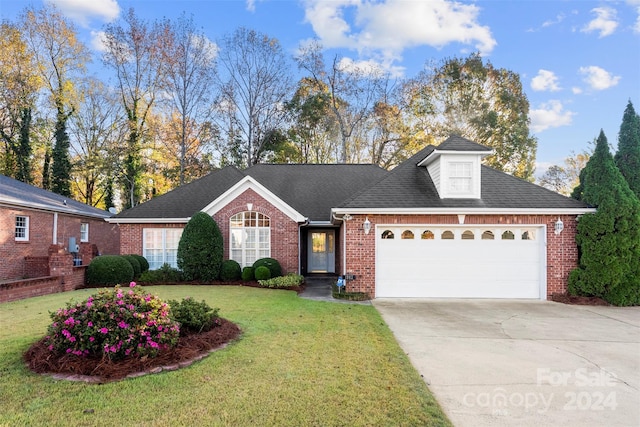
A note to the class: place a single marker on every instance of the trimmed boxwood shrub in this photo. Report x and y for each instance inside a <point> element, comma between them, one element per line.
<point>262,273</point>
<point>230,270</point>
<point>248,274</point>
<point>137,268</point>
<point>144,264</point>
<point>200,249</point>
<point>272,264</point>
<point>109,270</point>
<point>165,274</point>
<point>193,316</point>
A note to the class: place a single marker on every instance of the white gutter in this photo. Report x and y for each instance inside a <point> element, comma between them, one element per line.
<point>147,220</point>
<point>464,211</point>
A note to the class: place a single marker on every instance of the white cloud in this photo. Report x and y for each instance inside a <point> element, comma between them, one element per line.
<point>82,11</point>
<point>98,41</point>
<point>636,4</point>
<point>370,67</point>
<point>576,90</point>
<point>598,78</point>
<point>550,115</point>
<point>390,26</point>
<point>605,21</point>
<point>545,81</point>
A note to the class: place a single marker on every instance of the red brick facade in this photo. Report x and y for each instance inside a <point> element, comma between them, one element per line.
<point>562,252</point>
<point>284,231</point>
<point>41,224</point>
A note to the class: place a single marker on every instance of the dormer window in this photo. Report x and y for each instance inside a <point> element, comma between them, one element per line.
<point>460,177</point>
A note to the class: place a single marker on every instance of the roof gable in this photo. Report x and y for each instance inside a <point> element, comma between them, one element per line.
<point>19,194</point>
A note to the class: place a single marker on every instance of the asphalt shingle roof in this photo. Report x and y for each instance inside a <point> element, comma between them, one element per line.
<point>18,193</point>
<point>410,186</point>
<point>310,189</point>
<point>314,189</point>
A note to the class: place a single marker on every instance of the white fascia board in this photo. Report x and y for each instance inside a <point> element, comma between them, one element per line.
<point>51,209</point>
<point>463,211</point>
<point>437,153</point>
<point>250,183</point>
<point>147,220</point>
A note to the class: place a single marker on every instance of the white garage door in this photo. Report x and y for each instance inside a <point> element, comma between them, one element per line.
<point>460,262</point>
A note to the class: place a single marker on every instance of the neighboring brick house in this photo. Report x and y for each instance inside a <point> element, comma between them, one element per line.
<point>438,225</point>
<point>33,219</point>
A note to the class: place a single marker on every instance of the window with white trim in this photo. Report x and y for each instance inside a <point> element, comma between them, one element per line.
<point>250,237</point>
<point>160,246</point>
<point>84,232</point>
<point>22,228</point>
<point>460,177</point>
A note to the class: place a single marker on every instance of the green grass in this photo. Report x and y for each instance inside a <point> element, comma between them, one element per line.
<point>298,363</point>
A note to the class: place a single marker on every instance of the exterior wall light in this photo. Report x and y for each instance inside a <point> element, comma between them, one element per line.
<point>558,226</point>
<point>366,226</point>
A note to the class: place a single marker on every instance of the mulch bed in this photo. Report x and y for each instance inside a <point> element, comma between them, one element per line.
<point>250,284</point>
<point>189,349</point>
<point>577,300</point>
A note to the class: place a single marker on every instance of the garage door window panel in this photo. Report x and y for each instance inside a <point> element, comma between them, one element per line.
<point>508,235</point>
<point>407,235</point>
<point>387,234</point>
<point>447,235</point>
<point>488,235</point>
<point>427,235</point>
<point>468,235</point>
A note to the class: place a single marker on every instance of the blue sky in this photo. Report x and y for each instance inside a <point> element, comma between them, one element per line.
<point>579,61</point>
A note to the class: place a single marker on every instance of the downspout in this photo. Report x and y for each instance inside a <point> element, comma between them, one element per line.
<point>55,228</point>
<point>305,223</point>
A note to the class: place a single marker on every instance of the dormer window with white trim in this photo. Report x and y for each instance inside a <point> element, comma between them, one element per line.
<point>460,178</point>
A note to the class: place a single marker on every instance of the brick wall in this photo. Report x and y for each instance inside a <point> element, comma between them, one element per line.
<point>284,231</point>
<point>13,253</point>
<point>562,251</point>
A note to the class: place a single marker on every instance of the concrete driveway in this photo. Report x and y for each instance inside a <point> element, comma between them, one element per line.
<point>523,363</point>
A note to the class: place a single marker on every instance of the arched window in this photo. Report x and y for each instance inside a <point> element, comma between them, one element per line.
<point>528,235</point>
<point>508,235</point>
<point>427,235</point>
<point>447,235</point>
<point>407,234</point>
<point>250,237</point>
<point>468,235</point>
<point>487,235</point>
<point>387,234</point>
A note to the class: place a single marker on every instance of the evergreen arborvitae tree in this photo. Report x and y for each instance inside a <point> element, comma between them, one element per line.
<point>61,168</point>
<point>628,156</point>
<point>608,240</point>
<point>200,249</point>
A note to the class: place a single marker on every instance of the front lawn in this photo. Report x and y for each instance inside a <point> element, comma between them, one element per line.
<point>298,363</point>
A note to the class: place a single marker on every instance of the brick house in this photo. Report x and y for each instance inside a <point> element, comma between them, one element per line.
<point>440,224</point>
<point>34,222</point>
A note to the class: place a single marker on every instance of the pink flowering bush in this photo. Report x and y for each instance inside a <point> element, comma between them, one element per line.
<point>114,323</point>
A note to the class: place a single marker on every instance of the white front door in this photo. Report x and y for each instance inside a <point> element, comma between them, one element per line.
<point>460,261</point>
<point>321,251</point>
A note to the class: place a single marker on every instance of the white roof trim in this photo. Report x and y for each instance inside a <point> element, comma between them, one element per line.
<point>9,203</point>
<point>250,183</point>
<point>464,211</point>
<point>437,153</point>
<point>147,220</point>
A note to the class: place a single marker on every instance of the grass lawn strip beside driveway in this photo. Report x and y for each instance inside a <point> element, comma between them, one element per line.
<point>298,362</point>
<point>523,363</point>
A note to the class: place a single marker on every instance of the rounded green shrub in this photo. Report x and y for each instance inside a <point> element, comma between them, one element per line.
<point>194,316</point>
<point>200,249</point>
<point>109,270</point>
<point>137,269</point>
<point>271,264</point>
<point>248,274</point>
<point>114,323</point>
<point>144,264</point>
<point>230,270</point>
<point>262,273</point>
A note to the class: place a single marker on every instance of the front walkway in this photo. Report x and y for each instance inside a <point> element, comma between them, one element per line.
<point>318,288</point>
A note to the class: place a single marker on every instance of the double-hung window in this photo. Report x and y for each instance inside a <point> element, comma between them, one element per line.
<point>250,237</point>
<point>460,177</point>
<point>160,246</point>
<point>21,233</point>
<point>84,232</point>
